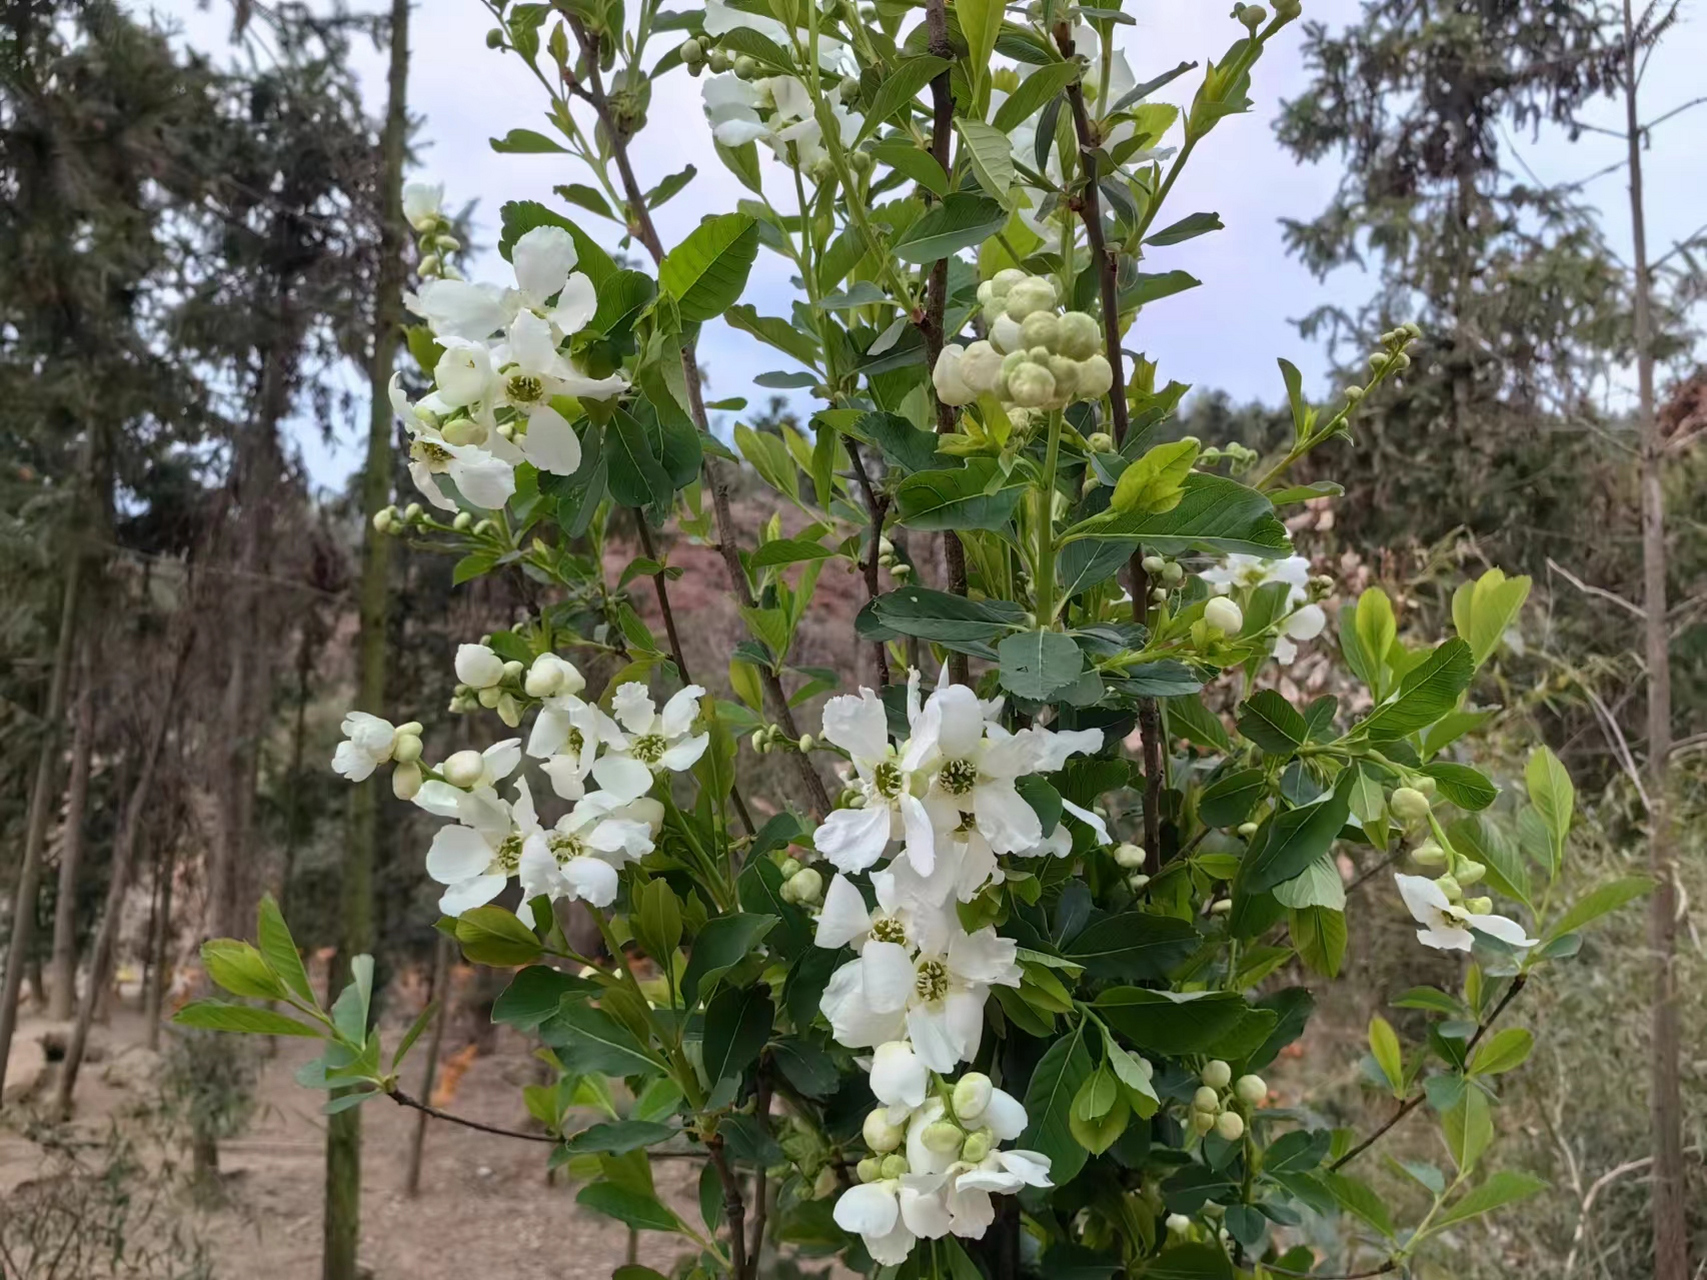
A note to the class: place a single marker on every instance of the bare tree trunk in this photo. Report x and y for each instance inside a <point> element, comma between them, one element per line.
<point>154,994</point>
<point>1671,1230</point>
<point>441,991</point>
<point>124,850</point>
<point>62,982</point>
<point>344,1130</point>
<point>42,794</point>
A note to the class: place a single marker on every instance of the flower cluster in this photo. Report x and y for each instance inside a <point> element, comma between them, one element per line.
<point>491,839</point>
<point>943,805</point>
<point>1449,920</point>
<point>1299,618</point>
<point>1034,358</point>
<point>505,378</point>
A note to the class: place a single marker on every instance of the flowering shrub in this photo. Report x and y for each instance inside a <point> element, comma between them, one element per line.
<point>1002,999</point>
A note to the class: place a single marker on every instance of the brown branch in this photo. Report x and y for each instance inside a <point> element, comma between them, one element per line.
<point>1411,1103</point>
<point>734,1208</point>
<point>641,225</point>
<point>761,1197</point>
<point>878,505</point>
<point>658,579</point>
<point>404,1100</point>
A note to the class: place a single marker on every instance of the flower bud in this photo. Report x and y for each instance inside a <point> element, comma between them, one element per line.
<point>1129,855</point>
<point>1478,906</point>
<point>1160,595</point>
<point>1427,785</point>
<point>825,1184</point>
<point>981,367</point>
<point>1032,386</point>
<point>1429,854</point>
<point>976,1146</point>
<point>895,1166</point>
<point>806,885</point>
<point>1078,336</point>
<point>1066,373</point>
<point>1005,334</point>
<point>1450,887</point>
<point>788,868</point>
<point>1251,1090</point>
<point>406,748</point>
<point>1002,283</point>
<point>1469,872</point>
<point>1100,442</point>
<point>869,1169</point>
<point>1172,573</point>
<point>1096,376</point>
<point>489,696</point>
<point>951,388</point>
<point>1040,329</point>
<point>1216,1074</point>
<point>1033,293</point>
<point>1137,882</point>
<point>971,1096</point>
<point>808,742</point>
<point>464,769</point>
<point>942,1136</point>
<point>1249,829</point>
<point>1202,1121</point>
<point>1378,360</point>
<point>406,777</point>
<point>1152,564</point>
<point>860,161</point>
<point>495,38</point>
<point>477,666</point>
<point>514,671</point>
<point>718,61</point>
<point>1222,615</point>
<point>463,523</point>
<point>1206,1099</point>
<point>1352,394</point>
<point>1221,907</point>
<point>1407,804</point>
<point>1178,1224</point>
<point>1230,1125</point>
<point>880,1135</point>
<point>1253,16</point>
<point>691,52</point>
<point>745,67</point>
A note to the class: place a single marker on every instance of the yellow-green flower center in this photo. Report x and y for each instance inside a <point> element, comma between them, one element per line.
<point>886,779</point>
<point>885,929</point>
<point>648,748</point>
<point>931,982</point>
<point>524,388</point>
<point>958,777</point>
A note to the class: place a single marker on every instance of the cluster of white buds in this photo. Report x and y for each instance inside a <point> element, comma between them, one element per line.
<point>1213,1107</point>
<point>486,680</point>
<point>1034,357</point>
<point>898,568</point>
<point>770,737</point>
<point>801,885</point>
<point>423,208</point>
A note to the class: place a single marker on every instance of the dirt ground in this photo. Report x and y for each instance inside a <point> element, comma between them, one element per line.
<point>485,1209</point>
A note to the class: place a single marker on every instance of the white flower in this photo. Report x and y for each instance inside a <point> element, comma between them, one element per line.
<point>1302,624</point>
<point>854,839</point>
<point>568,734</point>
<point>891,1214</point>
<point>422,202</point>
<point>655,740</point>
<point>973,765</point>
<point>579,857</point>
<point>478,666</point>
<point>553,677</point>
<point>1447,926</point>
<point>949,380</point>
<point>934,993</point>
<point>898,1079</point>
<point>476,858</point>
<point>497,762</point>
<point>368,744</point>
<point>484,480</point>
<point>459,309</point>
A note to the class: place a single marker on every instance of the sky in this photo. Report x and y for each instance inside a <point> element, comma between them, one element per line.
<point>1225,334</point>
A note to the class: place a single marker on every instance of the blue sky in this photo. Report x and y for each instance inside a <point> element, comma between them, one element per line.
<point>1225,334</point>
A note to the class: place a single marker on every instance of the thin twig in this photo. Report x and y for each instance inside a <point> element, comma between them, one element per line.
<point>404,1100</point>
<point>644,230</point>
<point>1411,1103</point>
<point>733,1205</point>
<point>1553,566</point>
<point>878,505</point>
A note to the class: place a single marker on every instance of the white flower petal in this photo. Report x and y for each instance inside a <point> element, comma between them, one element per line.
<point>962,721</point>
<point>934,1040</point>
<point>483,480</point>
<point>470,894</point>
<point>680,711</point>
<point>898,1078</point>
<point>457,309</point>
<point>543,259</point>
<point>457,854</point>
<point>844,917</point>
<point>925,1213</point>
<point>623,776</point>
<point>1006,820</point>
<point>591,879</point>
<point>887,975</point>
<point>632,705</point>
<point>576,304</point>
<point>869,1209</point>
<point>1005,1116</point>
<point>858,725</point>
<point>854,839</point>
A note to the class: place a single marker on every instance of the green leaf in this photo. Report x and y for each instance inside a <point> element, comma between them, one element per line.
<point>1036,665</point>
<point>527,142</point>
<point>1554,797</point>
<point>240,969</point>
<point>578,193</point>
<point>1367,631</point>
<point>1189,1262</point>
<point>641,1211</point>
<point>1190,718</point>
<point>280,951</point>
<point>915,162</point>
<point>658,922</point>
<point>670,185</point>
<point>958,222</point>
<point>1273,723</point>
<point>1360,1200</point>
<point>1055,1082</point>
<point>898,90</point>
<point>590,1040</point>
<point>1428,691</point>
<point>1228,800</point>
<point>1318,885</point>
<point>618,1137</point>
<point>1155,482</point>
<point>900,442</point>
<point>413,1034</point>
<point>1214,514</point>
<point>1384,1047</point>
<point>1035,90</point>
<point>1503,1051</point>
<point>976,496</point>
<point>1319,933</point>
<point>981,24</point>
<point>493,936</point>
<point>1482,611</point>
<point>1502,1188</point>
<point>706,272</point>
<point>1461,785</point>
<point>1598,902</point>
<point>777,332</point>
<point>1172,1022</point>
<point>1479,838</point>
<point>790,551</point>
<point>1291,841</point>
<point>1134,945</point>
<point>1469,1127</point>
<point>218,1015</point>
<point>990,154</point>
<point>724,942</point>
<point>637,478</point>
<point>737,1024</point>
<point>1186,228</point>
<point>1155,287</point>
<point>950,620</point>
